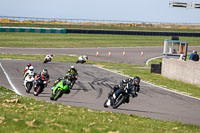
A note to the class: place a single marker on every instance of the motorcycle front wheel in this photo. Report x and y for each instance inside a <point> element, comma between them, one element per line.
<point>119,100</point>
<point>28,86</point>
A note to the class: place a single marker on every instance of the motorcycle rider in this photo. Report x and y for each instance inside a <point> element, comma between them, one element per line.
<point>72,71</point>
<point>72,75</point>
<point>133,85</point>
<point>44,75</point>
<point>27,67</point>
<point>31,69</point>
<point>82,59</point>
<point>48,57</point>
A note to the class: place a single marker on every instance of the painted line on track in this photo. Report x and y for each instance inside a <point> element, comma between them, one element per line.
<point>147,62</point>
<point>10,82</point>
<point>173,91</point>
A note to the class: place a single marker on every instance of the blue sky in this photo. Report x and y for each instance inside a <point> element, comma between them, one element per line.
<point>130,10</point>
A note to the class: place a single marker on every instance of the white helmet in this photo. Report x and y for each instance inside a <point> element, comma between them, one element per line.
<point>72,67</point>
<point>31,68</point>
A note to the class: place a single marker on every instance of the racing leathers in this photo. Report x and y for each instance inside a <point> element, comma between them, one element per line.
<point>43,76</point>
<point>133,88</point>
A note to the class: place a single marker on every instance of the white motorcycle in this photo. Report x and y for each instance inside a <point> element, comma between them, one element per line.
<point>29,81</point>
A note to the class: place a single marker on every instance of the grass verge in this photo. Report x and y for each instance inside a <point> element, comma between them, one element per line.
<point>47,40</point>
<point>24,114</point>
<point>127,69</point>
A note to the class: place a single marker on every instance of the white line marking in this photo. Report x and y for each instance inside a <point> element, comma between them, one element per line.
<point>10,82</point>
<point>147,62</point>
<point>174,91</point>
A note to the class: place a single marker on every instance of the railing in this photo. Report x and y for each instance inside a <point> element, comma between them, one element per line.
<point>92,22</point>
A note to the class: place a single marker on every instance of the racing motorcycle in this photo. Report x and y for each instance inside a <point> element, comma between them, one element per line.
<point>46,60</point>
<point>117,98</point>
<point>29,81</point>
<point>60,88</point>
<point>40,84</point>
<point>82,59</point>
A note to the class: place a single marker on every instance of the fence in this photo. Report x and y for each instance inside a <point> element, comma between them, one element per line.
<point>92,22</point>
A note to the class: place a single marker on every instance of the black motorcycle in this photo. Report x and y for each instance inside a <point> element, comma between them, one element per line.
<point>40,84</point>
<point>117,98</point>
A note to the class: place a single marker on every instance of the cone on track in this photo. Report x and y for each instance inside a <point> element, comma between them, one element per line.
<point>123,53</point>
<point>142,53</point>
<point>97,53</point>
<point>109,53</point>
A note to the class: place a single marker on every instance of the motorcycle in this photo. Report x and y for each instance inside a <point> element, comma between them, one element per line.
<point>40,84</point>
<point>29,81</point>
<point>117,98</point>
<point>82,59</point>
<point>46,60</point>
<point>59,89</point>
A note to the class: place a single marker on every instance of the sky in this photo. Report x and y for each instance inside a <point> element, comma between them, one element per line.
<point>127,10</point>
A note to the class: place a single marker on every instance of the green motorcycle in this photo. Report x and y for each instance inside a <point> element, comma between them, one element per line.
<point>60,88</point>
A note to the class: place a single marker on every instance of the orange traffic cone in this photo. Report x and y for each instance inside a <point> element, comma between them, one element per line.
<point>142,53</point>
<point>109,53</point>
<point>97,53</point>
<point>124,54</point>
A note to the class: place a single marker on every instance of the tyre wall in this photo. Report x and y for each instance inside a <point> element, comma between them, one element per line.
<point>84,31</point>
<point>32,29</point>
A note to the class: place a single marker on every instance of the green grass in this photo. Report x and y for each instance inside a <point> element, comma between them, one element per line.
<point>47,40</point>
<point>58,58</point>
<point>29,115</point>
<point>127,69</point>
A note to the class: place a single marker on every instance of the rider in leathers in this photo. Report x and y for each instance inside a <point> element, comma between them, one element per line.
<point>132,85</point>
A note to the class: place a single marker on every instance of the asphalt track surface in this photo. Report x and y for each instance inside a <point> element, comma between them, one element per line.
<point>94,84</point>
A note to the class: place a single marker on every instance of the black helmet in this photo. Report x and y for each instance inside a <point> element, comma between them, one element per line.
<point>136,79</point>
<point>28,64</point>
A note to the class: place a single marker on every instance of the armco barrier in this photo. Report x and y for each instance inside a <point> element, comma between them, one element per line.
<point>32,29</point>
<point>143,33</point>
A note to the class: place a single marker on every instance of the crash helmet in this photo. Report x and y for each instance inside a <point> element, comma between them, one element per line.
<point>73,67</point>
<point>45,71</point>
<point>51,54</point>
<point>31,68</point>
<point>136,80</point>
<point>28,65</point>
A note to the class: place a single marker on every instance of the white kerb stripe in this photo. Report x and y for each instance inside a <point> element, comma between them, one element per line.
<point>10,82</point>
